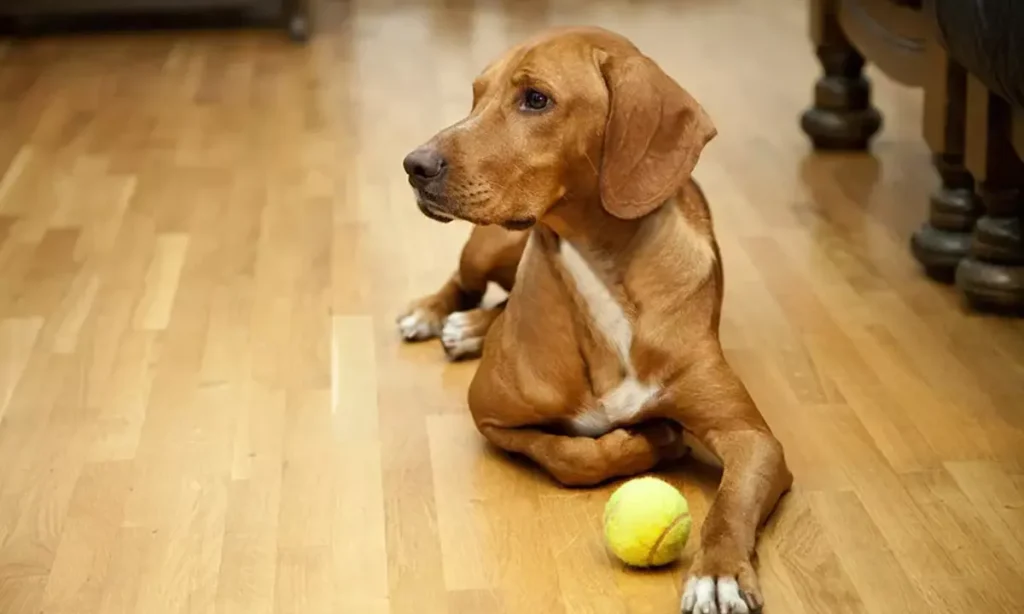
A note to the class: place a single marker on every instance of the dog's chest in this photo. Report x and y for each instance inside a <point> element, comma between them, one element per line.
<point>626,400</point>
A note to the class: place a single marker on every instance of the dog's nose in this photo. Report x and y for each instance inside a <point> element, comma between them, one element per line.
<point>424,163</point>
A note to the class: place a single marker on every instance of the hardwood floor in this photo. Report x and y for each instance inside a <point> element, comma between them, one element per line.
<point>204,405</point>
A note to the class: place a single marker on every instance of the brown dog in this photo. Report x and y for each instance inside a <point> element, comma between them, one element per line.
<point>574,164</point>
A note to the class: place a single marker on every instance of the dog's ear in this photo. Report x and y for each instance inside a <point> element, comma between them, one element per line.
<point>654,135</point>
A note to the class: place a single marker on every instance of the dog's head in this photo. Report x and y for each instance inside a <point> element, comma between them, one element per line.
<point>576,113</point>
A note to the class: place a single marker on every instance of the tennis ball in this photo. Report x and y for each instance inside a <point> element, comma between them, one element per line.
<point>647,522</point>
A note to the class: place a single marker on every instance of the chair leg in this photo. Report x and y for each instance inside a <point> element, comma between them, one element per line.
<point>944,240</point>
<point>842,117</point>
<point>299,20</point>
<point>992,276</point>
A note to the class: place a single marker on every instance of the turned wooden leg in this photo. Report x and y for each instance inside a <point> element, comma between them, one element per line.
<point>992,275</point>
<point>842,117</point>
<point>943,241</point>
<point>298,20</point>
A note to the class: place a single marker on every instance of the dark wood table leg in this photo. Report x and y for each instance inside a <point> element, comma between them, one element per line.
<point>944,239</point>
<point>299,20</point>
<point>842,117</point>
<point>992,275</point>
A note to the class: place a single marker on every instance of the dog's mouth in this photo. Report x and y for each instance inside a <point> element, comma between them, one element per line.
<point>429,210</point>
<point>438,208</point>
<point>525,223</point>
<point>429,207</point>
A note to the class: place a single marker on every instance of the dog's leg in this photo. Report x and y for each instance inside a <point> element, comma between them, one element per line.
<point>587,461</point>
<point>491,255</point>
<point>717,409</point>
<point>463,332</point>
<point>722,579</point>
<point>425,317</point>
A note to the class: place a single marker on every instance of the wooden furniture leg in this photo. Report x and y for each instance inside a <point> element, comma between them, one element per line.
<point>842,117</point>
<point>992,275</point>
<point>299,20</point>
<point>944,239</point>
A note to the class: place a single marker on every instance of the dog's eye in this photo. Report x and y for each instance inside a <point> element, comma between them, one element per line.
<point>535,101</point>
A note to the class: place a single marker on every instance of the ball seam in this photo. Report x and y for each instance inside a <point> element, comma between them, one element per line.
<point>661,538</point>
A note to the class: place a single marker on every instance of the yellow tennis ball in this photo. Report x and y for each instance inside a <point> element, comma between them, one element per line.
<point>647,522</point>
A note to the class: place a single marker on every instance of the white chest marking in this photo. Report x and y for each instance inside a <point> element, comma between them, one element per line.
<point>631,395</point>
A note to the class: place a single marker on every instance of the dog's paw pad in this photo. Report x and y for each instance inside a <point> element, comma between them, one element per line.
<point>708,595</point>
<point>418,326</point>
<point>460,337</point>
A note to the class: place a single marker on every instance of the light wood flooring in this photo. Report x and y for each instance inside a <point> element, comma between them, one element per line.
<point>205,408</point>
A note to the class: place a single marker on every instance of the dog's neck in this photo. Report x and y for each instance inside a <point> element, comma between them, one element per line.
<point>590,228</point>
<point>595,232</point>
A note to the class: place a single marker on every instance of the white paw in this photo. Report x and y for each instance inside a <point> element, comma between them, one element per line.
<point>418,326</point>
<point>461,337</point>
<point>707,595</point>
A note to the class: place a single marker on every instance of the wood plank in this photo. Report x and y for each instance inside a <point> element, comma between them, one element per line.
<point>205,408</point>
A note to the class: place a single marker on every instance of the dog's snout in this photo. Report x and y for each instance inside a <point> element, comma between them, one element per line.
<point>426,163</point>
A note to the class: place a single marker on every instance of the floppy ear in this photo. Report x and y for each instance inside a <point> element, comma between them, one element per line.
<point>653,137</point>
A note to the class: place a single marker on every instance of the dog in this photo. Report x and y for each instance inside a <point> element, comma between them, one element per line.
<point>574,167</point>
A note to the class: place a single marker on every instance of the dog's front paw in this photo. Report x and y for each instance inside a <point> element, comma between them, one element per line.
<point>420,324</point>
<point>721,587</point>
<point>722,595</point>
<point>462,335</point>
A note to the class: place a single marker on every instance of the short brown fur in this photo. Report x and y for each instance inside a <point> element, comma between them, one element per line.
<point>607,169</point>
